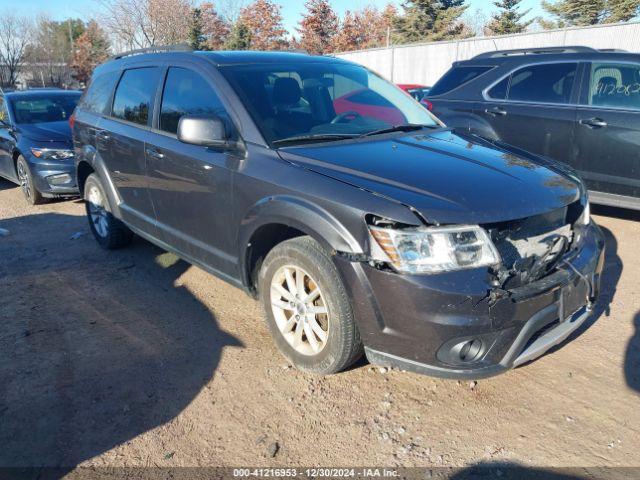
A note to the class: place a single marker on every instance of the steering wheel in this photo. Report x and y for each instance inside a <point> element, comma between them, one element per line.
<point>345,117</point>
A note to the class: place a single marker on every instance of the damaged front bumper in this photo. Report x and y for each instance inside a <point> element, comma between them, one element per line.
<point>455,325</point>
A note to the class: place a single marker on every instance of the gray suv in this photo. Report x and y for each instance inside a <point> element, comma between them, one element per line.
<point>574,104</point>
<point>362,226</point>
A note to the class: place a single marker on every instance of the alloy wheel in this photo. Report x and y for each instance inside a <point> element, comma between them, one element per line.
<point>25,183</point>
<point>97,211</point>
<point>300,310</point>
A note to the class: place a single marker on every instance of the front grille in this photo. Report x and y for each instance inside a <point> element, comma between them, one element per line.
<point>531,248</point>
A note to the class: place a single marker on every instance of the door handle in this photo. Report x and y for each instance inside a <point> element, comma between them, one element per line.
<point>593,123</point>
<point>102,135</point>
<point>152,152</point>
<point>495,111</point>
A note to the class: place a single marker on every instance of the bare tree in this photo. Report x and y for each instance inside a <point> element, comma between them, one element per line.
<point>144,23</point>
<point>14,38</point>
<point>230,9</point>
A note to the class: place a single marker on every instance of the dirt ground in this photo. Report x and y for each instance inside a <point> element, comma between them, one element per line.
<point>134,358</point>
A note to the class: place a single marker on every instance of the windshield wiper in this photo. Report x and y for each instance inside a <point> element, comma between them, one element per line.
<point>409,127</point>
<point>320,137</point>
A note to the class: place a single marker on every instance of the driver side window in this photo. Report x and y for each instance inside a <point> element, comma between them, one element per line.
<point>187,93</point>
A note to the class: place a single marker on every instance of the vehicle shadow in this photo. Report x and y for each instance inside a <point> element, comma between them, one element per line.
<point>96,347</point>
<point>514,471</point>
<point>632,357</point>
<point>6,184</point>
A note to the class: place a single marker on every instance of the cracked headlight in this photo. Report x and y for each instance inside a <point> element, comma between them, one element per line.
<point>434,249</point>
<point>52,154</point>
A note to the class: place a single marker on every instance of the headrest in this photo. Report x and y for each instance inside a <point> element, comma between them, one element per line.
<point>286,91</point>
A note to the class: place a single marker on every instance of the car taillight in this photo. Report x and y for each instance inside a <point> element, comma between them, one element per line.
<point>427,104</point>
<point>72,120</point>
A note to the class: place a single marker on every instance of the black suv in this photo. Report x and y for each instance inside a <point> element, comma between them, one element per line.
<point>574,104</point>
<point>35,142</point>
<point>429,250</point>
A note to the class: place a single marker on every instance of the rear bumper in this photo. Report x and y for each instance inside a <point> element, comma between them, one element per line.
<point>422,323</point>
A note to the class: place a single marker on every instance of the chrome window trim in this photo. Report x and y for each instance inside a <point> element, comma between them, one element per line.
<point>487,98</point>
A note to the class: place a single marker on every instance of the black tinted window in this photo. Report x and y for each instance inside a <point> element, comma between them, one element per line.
<point>134,95</point>
<point>186,93</point>
<point>499,91</point>
<point>550,83</point>
<point>456,77</point>
<point>615,85</point>
<point>96,98</point>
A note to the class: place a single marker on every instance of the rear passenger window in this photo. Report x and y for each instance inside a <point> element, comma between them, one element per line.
<point>187,93</point>
<point>551,83</point>
<point>133,97</point>
<point>615,85</point>
<point>96,98</point>
<point>457,77</point>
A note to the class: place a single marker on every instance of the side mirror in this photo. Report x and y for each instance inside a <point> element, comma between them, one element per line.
<point>207,131</point>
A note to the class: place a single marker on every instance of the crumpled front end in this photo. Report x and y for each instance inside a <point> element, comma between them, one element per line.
<point>480,322</point>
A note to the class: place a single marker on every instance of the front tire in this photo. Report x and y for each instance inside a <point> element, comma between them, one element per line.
<point>108,231</point>
<point>307,308</point>
<point>31,193</point>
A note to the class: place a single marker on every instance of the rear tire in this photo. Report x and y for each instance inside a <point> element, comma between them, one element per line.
<point>108,231</point>
<point>31,193</point>
<point>307,308</point>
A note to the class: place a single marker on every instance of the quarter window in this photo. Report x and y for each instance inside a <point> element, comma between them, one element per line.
<point>615,85</point>
<point>96,99</point>
<point>550,83</point>
<point>133,97</point>
<point>499,91</point>
<point>187,93</point>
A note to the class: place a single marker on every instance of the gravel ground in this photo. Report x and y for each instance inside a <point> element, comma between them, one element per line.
<point>135,358</point>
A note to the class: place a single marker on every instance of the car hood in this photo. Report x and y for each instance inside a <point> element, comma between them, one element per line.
<point>449,178</point>
<point>47,132</point>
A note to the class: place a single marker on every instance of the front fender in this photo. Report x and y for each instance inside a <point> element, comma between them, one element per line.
<point>299,214</point>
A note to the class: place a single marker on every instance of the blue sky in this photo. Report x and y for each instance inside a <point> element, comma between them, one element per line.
<point>291,10</point>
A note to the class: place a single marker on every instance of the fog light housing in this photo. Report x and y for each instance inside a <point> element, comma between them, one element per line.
<point>462,351</point>
<point>60,179</point>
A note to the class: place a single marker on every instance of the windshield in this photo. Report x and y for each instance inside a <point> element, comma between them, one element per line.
<point>323,100</point>
<point>42,108</point>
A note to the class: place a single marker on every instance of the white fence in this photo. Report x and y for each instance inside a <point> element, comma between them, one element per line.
<point>425,63</point>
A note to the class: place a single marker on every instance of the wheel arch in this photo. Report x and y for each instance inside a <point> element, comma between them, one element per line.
<point>83,170</point>
<point>276,219</point>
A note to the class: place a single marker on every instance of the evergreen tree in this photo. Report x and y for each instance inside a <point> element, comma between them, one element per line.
<point>240,38</point>
<point>508,19</point>
<point>622,10</point>
<point>430,20</point>
<point>570,13</point>
<point>197,38</point>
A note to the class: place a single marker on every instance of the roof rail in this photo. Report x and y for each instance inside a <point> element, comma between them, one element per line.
<point>535,51</point>
<point>612,50</point>
<point>181,47</point>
